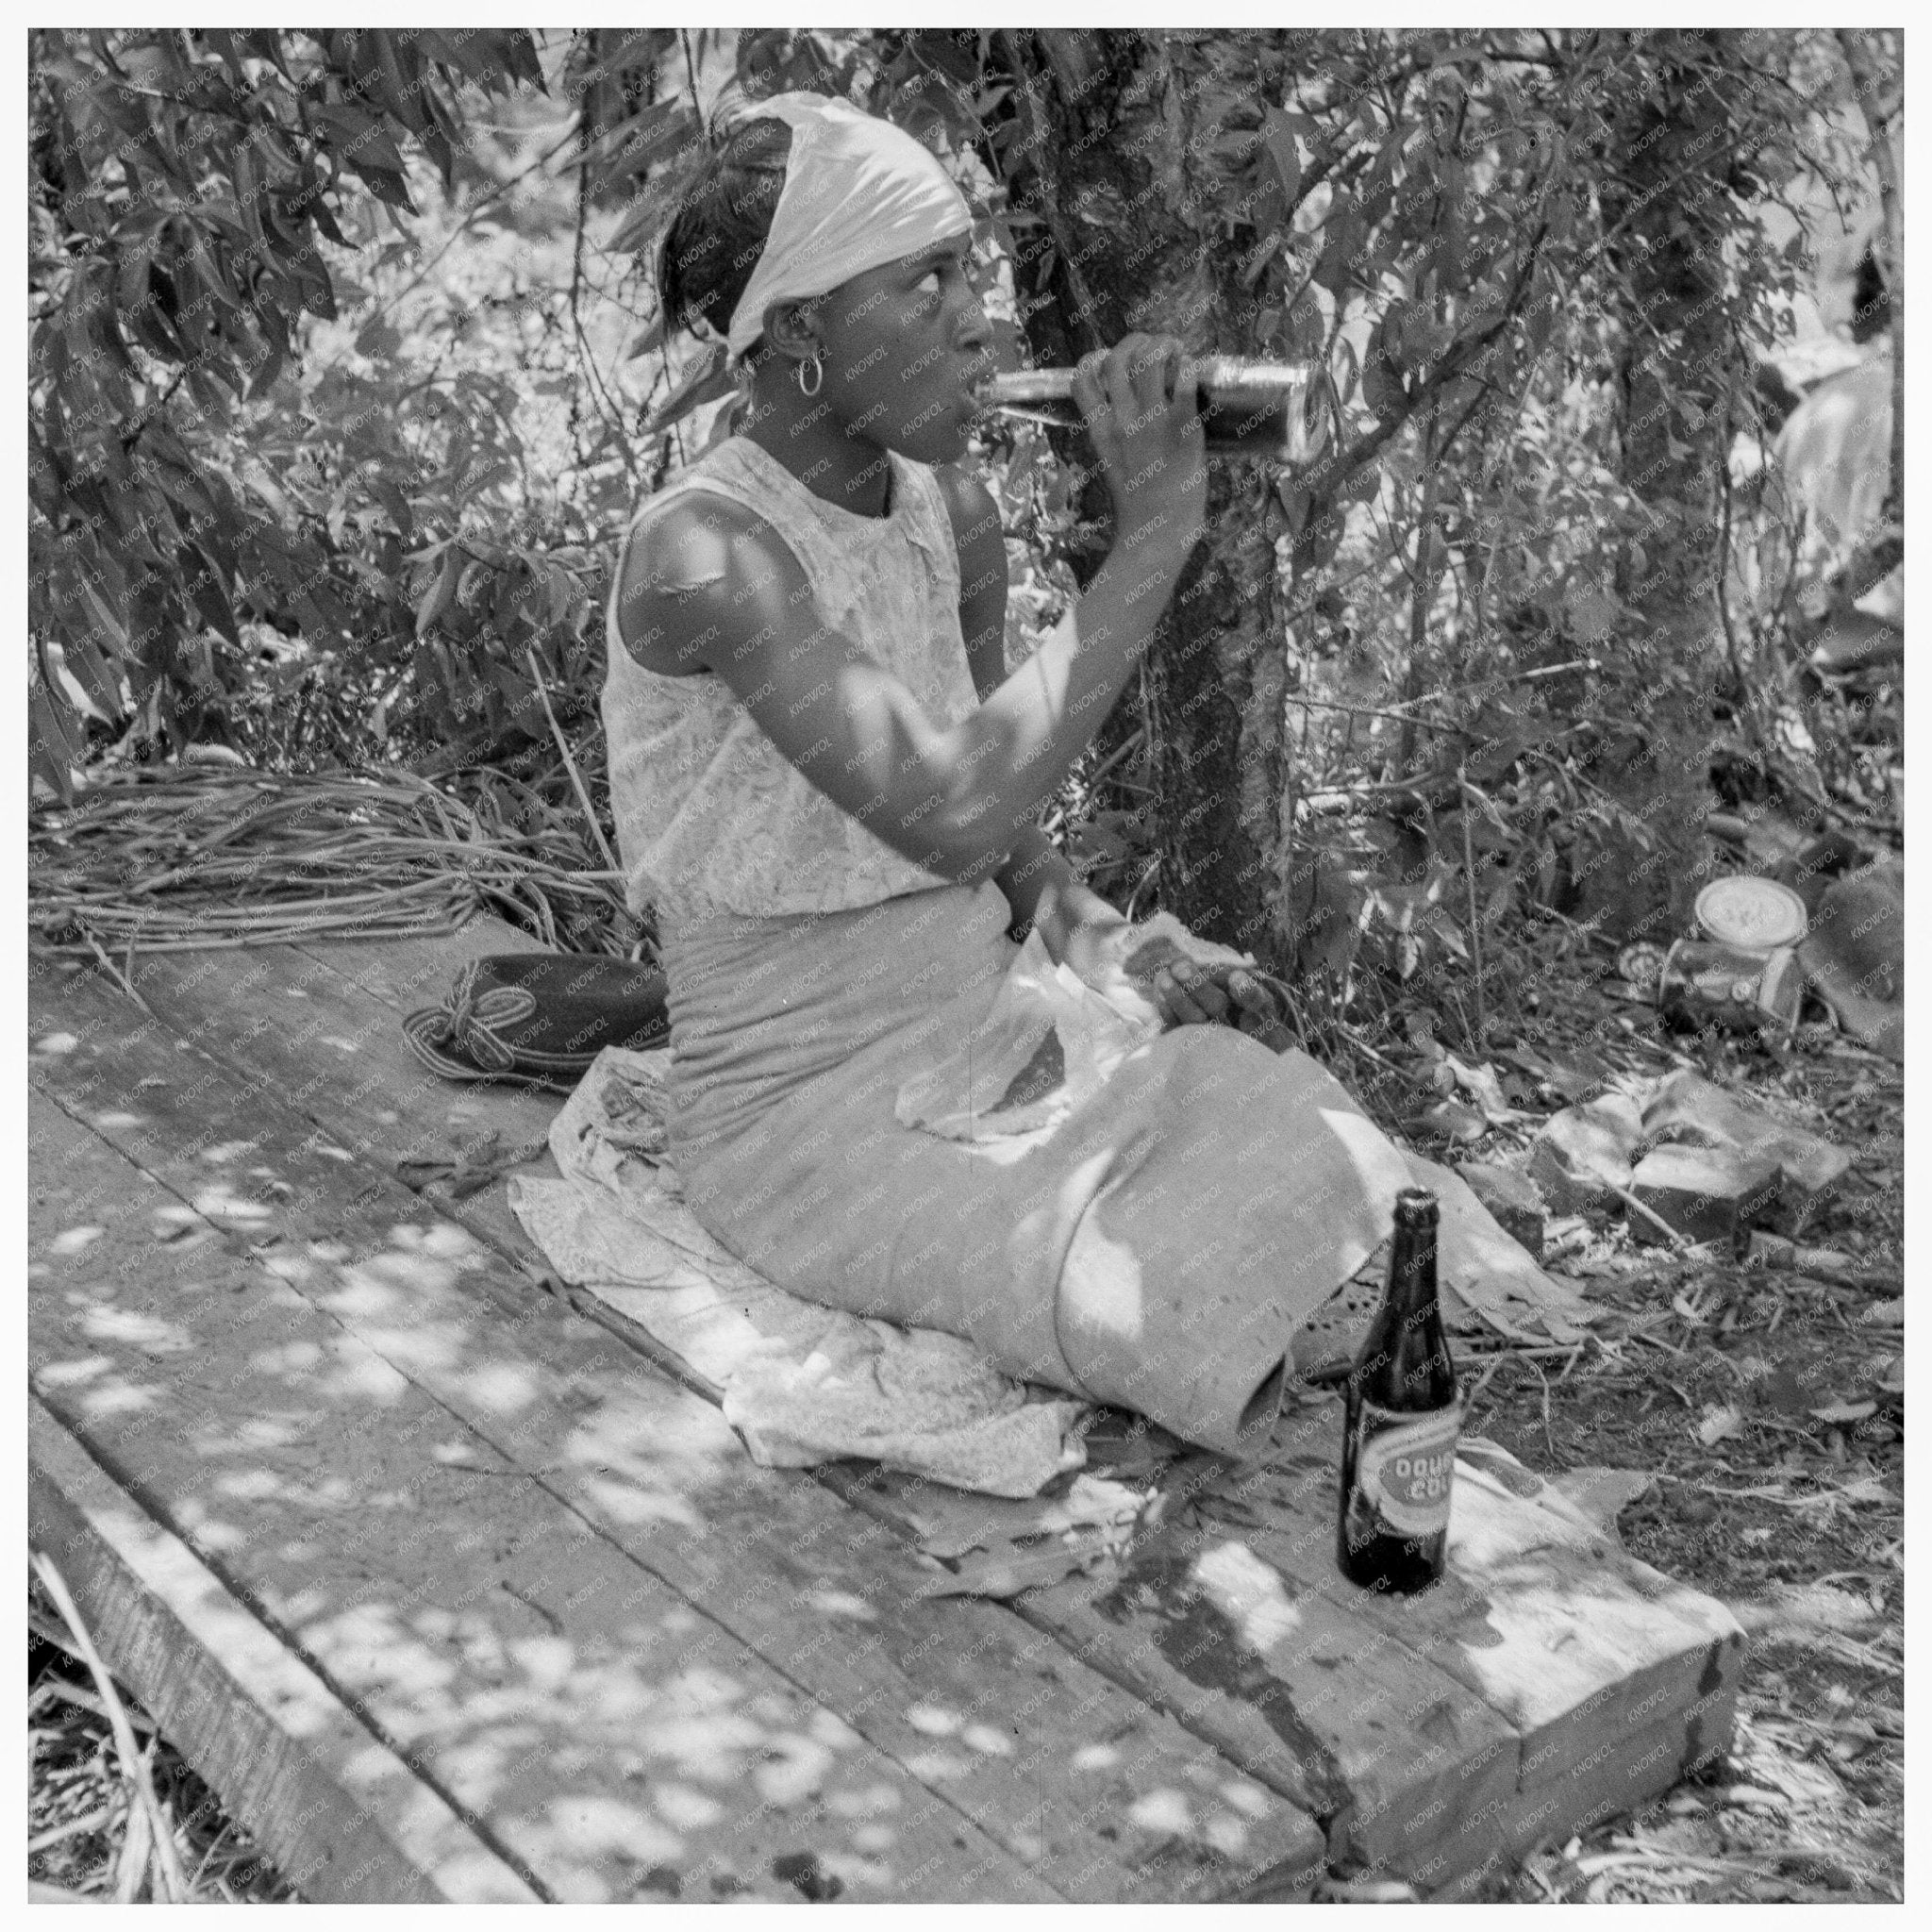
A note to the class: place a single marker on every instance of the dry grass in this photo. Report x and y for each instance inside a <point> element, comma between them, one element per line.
<point>114,1812</point>
<point>171,860</point>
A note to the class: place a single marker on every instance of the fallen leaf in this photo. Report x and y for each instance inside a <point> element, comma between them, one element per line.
<point>1890,1314</point>
<point>1582,1156</point>
<point>1845,1411</point>
<point>1450,1120</point>
<point>1092,1500</point>
<point>1600,1494</point>
<point>1752,1797</point>
<point>1719,1422</point>
<point>1007,1572</point>
<point>1482,1086</point>
<point>1573,1082</point>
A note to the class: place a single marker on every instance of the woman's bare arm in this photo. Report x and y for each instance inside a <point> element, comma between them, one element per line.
<point>1040,887</point>
<point>717,589</point>
<point>714,586</point>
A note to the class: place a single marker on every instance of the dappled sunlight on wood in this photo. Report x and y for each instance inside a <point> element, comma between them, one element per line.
<point>221,1206</point>
<point>576,1603</point>
<point>138,1329</point>
<point>1249,1594</point>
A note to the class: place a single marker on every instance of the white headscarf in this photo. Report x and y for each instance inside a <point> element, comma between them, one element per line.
<point>858,192</point>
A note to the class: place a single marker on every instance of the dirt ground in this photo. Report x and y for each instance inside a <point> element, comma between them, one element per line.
<point>1708,1377</point>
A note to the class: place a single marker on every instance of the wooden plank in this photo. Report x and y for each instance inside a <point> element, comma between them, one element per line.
<point>1296,1860</point>
<point>1623,1774</point>
<point>1611,1675</point>
<point>1551,1625</point>
<point>1565,1638</point>
<point>1333,1732</point>
<point>417,973</point>
<point>1383,1820</point>
<point>1342,1719</point>
<point>330,1804</point>
<point>1061,1768</point>
<point>604,1735</point>
<point>398,979</point>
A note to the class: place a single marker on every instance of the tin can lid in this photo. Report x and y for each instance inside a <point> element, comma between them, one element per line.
<point>1756,914</point>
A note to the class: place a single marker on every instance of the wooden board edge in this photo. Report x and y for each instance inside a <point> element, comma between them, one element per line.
<point>1625,1774</point>
<point>1640,1702</point>
<point>587,1302</point>
<point>1641,1768</point>
<point>343,1816</point>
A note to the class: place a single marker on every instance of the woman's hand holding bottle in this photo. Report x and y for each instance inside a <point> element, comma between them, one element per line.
<point>1142,415</point>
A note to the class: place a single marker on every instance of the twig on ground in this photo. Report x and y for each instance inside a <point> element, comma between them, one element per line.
<point>117,976</point>
<point>59,1689</point>
<point>1636,1206</point>
<point>93,1821</point>
<point>171,1883</point>
<point>1549,1435</point>
<point>570,764</point>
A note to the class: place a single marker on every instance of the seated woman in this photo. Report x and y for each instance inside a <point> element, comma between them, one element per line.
<point>828,785</point>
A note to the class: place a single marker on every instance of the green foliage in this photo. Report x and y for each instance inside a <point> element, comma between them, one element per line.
<point>181,187</point>
<point>1425,215</point>
<point>1457,227</point>
<point>337,403</point>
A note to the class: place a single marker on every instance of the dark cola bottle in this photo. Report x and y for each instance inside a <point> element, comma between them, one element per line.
<point>1403,1413</point>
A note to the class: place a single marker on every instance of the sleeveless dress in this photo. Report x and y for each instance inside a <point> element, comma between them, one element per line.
<point>1157,1250</point>
<point>712,817</point>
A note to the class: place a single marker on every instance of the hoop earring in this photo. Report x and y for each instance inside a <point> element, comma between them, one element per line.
<point>818,377</point>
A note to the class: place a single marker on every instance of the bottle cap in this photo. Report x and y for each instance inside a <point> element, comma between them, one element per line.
<point>1414,1205</point>
<point>1756,914</point>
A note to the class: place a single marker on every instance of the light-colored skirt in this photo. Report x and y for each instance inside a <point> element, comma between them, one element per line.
<point>1157,1250</point>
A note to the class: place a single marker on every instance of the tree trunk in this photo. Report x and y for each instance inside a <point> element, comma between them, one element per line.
<point>1674,165</point>
<point>1670,162</point>
<point>1132,219</point>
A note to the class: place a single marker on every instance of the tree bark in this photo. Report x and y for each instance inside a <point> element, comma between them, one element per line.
<point>1675,159</point>
<point>1671,157</point>
<point>1132,222</point>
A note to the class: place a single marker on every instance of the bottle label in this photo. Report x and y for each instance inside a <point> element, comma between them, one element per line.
<point>1405,1464</point>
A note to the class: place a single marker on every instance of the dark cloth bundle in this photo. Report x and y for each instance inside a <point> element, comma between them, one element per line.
<point>539,1018</point>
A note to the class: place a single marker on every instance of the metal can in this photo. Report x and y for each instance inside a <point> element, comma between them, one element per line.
<point>1758,915</point>
<point>1704,983</point>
